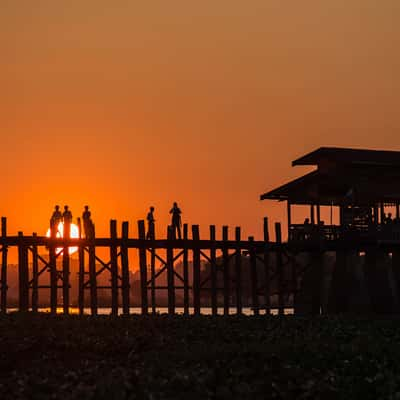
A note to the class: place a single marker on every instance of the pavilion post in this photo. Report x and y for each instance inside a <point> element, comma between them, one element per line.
<point>382,212</point>
<point>289,217</point>
<point>376,215</point>
<point>397,210</point>
<point>318,214</point>
<point>312,216</point>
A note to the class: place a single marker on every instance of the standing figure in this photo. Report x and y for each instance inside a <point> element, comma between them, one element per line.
<point>67,219</point>
<point>176,220</point>
<point>87,222</point>
<point>306,229</point>
<point>55,220</point>
<point>150,221</point>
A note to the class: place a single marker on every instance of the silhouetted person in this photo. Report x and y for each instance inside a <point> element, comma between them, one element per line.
<point>388,219</point>
<point>176,220</point>
<point>67,219</point>
<point>55,220</point>
<point>307,228</point>
<point>150,223</point>
<point>87,222</point>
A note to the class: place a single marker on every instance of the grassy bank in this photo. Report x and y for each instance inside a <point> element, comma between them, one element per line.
<point>198,358</point>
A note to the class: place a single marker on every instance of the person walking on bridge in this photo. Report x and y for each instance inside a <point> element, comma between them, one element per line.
<point>55,220</point>
<point>176,219</point>
<point>67,220</point>
<point>87,222</point>
<point>150,223</point>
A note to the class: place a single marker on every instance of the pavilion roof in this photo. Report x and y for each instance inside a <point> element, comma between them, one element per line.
<point>353,176</point>
<point>350,156</point>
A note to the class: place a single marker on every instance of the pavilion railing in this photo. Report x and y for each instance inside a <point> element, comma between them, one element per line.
<point>301,232</point>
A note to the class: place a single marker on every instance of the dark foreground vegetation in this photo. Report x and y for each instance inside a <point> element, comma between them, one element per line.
<point>45,357</point>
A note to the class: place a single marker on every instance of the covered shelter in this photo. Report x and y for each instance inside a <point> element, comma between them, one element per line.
<point>360,182</point>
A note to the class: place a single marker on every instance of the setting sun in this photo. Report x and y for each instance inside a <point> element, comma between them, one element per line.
<point>60,234</point>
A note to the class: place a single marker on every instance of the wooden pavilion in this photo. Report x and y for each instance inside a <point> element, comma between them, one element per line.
<point>362,183</point>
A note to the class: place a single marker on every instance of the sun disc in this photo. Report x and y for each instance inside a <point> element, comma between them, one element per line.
<point>74,234</point>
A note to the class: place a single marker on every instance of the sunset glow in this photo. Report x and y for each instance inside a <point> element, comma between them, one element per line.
<point>60,234</point>
<point>210,113</point>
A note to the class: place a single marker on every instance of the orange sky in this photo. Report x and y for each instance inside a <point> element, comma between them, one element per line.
<point>123,105</point>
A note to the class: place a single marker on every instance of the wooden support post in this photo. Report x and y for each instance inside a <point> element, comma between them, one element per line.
<point>23,276</point>
<point>396,277</point>
<point>279,266</point>
<point>143,268</point>
<point>377,278</point>
<point>66,267</point>
<point>125,269</point>
<point>81,280</point>
<point>213,271</point>
<point>267,298</point>
<point>35,275</point>
<point>114,267</point>
<point>338,296</point>
<point>397,211</point>
<point>170,271</point>
<point>318,214</point>
<point>185,271</point>
<point>196,269</point>
<point>289,219</point>
<point>153,280</point>
<point>92,273</point>
<point>254,281</point>
<point>382,212</point>
<point>238,271</point>
<point>26,278</point>
<point>225,262</point>
<point>316,302</point>
<point>293,284</point>
<point>53,272</point>
<point>81,273</point>
<point>3,299</point>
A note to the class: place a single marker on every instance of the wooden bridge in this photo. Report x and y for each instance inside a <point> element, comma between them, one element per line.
<point>280,274</point>
<point>32,264</point>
